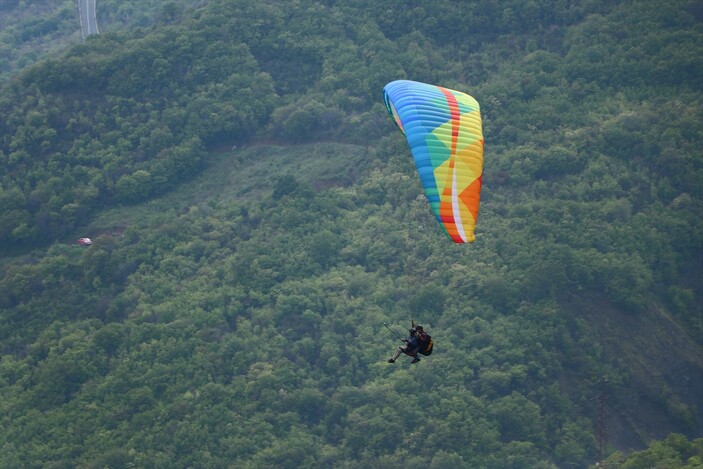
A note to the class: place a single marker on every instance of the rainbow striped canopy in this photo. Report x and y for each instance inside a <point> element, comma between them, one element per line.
<point>443,129</point>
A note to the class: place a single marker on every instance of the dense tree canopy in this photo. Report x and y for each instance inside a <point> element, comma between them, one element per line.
<point>256,219</point>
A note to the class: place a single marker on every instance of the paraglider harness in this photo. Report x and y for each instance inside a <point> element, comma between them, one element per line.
<point>425,343</point>
<point>423,337</point>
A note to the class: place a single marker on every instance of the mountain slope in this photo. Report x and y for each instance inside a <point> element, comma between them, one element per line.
<point>658,384</point>
<point>257,219</point>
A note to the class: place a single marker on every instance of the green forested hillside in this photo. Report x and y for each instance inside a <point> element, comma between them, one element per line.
<point>31,30</point>
<point>257,219</point>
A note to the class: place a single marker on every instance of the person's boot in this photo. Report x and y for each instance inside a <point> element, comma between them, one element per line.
<point>390,360</point>
<point>415,360</point>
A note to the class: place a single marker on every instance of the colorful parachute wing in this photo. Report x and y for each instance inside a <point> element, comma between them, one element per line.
<point>443,129</point>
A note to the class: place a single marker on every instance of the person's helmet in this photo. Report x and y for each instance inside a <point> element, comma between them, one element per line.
<point>419,329</point>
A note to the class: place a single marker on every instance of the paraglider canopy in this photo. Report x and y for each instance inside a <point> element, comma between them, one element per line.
<point>444,132</point>
<point>85,241</point>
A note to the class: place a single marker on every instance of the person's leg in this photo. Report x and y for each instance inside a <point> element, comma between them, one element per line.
<point>396,354</point>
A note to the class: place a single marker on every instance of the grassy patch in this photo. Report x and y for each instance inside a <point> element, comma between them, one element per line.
<point>245,174</point>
